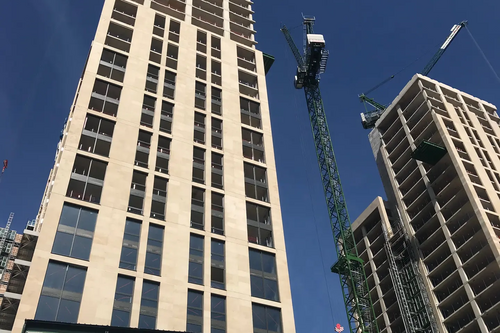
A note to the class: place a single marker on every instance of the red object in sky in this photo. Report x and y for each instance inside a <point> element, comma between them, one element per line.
<point>5,163</point>
<point>339,328</point>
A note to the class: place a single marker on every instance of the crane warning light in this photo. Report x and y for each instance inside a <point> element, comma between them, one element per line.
<point>339,328</point>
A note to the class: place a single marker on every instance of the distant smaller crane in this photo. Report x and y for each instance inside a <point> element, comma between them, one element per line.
<point>368,119</point>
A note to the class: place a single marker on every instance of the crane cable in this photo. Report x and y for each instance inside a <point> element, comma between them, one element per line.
<point>303,150</point>
<point>400,71</point>
<point>483,54</point>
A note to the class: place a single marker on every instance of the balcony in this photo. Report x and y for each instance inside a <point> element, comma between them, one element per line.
<point>248,85</point>
<point>243,29</point>
<point>175,8</point>
<point>208,17</point>
<point>241,35</point>
<point>118,37</point>
<point>124,12</point>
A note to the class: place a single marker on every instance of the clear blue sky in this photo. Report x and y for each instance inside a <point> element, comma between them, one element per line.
<point>45,43</point>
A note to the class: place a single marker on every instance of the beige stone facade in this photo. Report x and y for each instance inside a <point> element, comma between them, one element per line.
<point>449,209</point>
<point>200,57</point>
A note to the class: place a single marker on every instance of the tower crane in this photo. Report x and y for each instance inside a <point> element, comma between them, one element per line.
<point>368,119</point>
<point>349,265</point>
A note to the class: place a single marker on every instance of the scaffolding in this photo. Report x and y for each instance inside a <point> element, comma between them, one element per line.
<point>409,286</point>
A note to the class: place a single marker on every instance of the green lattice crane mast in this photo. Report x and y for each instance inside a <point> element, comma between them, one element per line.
<point>349,266</point>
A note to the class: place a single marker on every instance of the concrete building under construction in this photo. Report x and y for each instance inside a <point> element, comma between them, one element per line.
<point>15,260</point>
<point>432,251</point>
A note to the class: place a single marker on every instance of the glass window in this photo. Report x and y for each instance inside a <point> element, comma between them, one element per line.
<point>75,232</point>
<point>87,179</point>
<point>195,312</point>
<point>263,278</point>
<point>112,65</point>
<point>266,319</point>
<point>61,293</point>
<point>218,315</point>
<point>105,97</point>
<point>96,136</point>
<point>130,245</point>
<point>149,305</point>
<point>259,224</point>
<point>196,244</point>
<point>256,182</point>
<point>154,250</point>
<point>218,264</point>
<point>122,306</point>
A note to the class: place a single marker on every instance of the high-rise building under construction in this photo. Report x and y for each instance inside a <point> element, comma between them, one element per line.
<point>432,251</point>
<point>162,209</point>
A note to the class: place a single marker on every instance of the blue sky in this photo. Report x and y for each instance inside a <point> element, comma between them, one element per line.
<point>45,43</point>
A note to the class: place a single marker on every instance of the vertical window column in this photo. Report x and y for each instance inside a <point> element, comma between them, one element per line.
<point>196,250</point>
<point>130,245</point>
<point>195,312</point>
<point>122,307</point>
<point>61,293</point>
<point>218,276</point>
<point>149,305</point>
<point>154,250</point>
